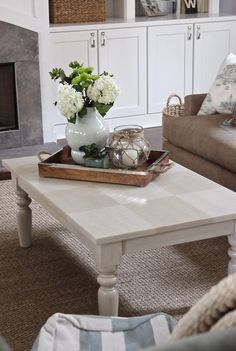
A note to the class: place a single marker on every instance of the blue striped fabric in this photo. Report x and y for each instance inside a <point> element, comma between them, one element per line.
<point>93,339</point>
<point>64,332</point>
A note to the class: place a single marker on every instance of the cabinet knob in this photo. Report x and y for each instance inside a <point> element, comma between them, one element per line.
<point>198,34</point>
<point>92,40</point>
<point>189,33</point>
<point>103,39</point>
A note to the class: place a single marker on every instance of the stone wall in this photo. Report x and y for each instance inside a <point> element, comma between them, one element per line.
<point>20,46</point>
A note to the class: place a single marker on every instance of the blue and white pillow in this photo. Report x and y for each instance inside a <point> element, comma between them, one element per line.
<point>65,332</point>
<point>222,95</point>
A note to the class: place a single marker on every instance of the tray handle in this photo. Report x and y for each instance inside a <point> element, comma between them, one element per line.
<point>42,155</point>
<point>159,169</point>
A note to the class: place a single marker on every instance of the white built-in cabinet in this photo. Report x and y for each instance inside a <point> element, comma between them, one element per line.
<point>149,63</point>
<point>169,63</point>
<point>121,52</point>
<point>212,43</point>
<point>185,59</point>
<point>71,46</point>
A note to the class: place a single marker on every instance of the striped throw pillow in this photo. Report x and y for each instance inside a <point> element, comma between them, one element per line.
<point>64,332</point>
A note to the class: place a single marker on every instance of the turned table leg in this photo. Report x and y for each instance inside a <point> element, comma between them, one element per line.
<point>108,258</point>
<point>108,295</point>
<point>24,217</point>
<point>232,253</point>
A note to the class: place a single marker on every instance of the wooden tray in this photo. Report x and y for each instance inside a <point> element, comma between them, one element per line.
<point>61,165</point>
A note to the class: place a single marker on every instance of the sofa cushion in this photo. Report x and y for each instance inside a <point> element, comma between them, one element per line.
<point>193,103</point>
<point>222,95</point>
<point>203,136</point>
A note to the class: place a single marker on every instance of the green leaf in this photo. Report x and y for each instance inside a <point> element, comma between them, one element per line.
<point>83,112</point>
<point>75,64</point>
<point>88,70</point>
<point>94,76</point>
<point>103,108</point>
<point>76,80</point>
<point>92,151</point>
<point>81,70</point>
<point>67,80</point>
<point>72,119</point>
<point>78,88</point>
<point>57,73</point>
<point>85,84</point>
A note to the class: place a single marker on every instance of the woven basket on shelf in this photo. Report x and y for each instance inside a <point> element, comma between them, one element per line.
<point>74,11</point>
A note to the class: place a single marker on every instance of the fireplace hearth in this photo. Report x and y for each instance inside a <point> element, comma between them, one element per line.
<point>20,99</point>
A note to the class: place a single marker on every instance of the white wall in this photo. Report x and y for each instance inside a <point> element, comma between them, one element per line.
<point>29,14</point>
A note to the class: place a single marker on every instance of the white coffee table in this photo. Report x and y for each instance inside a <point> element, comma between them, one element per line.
<point>112,220</point>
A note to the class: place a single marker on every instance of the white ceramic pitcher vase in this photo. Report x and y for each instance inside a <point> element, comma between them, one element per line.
<point>92,128</point>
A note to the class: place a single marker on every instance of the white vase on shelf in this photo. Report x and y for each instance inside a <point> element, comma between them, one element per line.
<point>90,129</point>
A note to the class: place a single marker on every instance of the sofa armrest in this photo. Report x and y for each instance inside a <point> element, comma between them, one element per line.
<point>193,103</point>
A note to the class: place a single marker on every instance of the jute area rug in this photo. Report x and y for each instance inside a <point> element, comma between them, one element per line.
<point>57,274</point>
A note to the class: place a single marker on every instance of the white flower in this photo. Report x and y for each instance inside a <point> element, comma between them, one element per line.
<point>104,90</point>
<point>69,101</point>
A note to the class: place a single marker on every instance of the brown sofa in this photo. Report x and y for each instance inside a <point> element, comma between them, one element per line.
<point>201,143</point>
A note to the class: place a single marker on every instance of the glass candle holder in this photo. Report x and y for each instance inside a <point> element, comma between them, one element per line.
<point>128,147</point>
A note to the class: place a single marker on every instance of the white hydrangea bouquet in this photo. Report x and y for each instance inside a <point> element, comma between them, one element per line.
<point>82,89</point>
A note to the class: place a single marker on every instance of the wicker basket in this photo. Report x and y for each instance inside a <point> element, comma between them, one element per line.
<point>171,111</point>
<point>74,11</point>
<point>174,110</point>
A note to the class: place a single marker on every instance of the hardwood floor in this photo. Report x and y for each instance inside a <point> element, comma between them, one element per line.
<point>153,135</point>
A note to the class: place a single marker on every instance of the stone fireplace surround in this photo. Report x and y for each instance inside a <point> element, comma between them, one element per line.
<point>20,46</point>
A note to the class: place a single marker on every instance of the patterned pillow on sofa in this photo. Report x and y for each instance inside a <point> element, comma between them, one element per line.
<point>222,95</point>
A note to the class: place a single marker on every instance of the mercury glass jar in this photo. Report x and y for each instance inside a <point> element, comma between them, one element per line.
<point>128,147</point>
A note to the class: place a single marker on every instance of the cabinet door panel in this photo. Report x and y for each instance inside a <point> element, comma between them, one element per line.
<point>72,46</point>
<point>213,42</point>
<point>169,64</point>
<point>122,52</point>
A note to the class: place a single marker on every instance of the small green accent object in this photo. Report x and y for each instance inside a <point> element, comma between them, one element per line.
<point>97,163</point>
<point>95,157</point>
